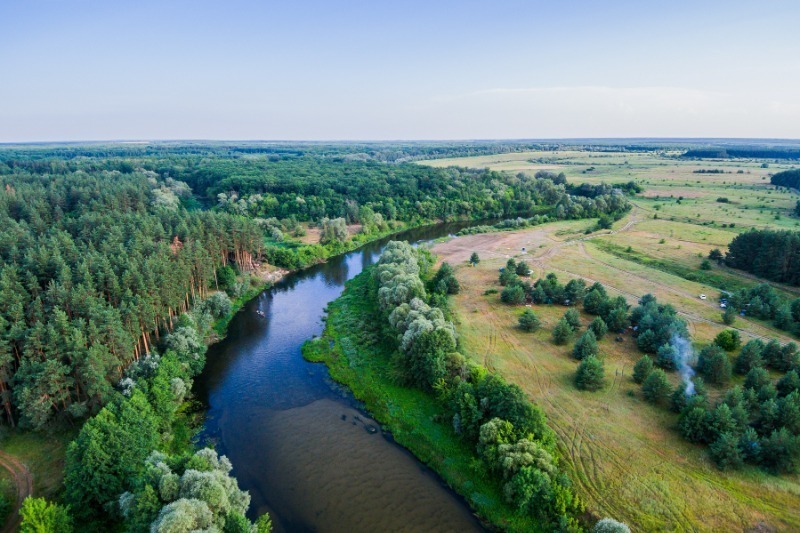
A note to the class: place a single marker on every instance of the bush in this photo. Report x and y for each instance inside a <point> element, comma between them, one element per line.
<point>656,388</point>
<point>642,369</point>
<point>586,346</point>
<point>528,321</point>
<point>609,525</point>
<point>562,332</point>
<point>590,374</point>
<point>226,277</point>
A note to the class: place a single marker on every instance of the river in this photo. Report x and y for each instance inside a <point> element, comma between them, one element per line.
<point>299,443</point>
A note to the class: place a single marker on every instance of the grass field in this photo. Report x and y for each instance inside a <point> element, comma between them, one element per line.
<point>625,455</point>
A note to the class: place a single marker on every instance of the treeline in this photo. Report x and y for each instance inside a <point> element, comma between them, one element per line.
<point>95,267</point>
<point>509,434</point>
<point>750,153</point>
<point>770,254</point>
<point>310,189</point>
<point>787,178</point>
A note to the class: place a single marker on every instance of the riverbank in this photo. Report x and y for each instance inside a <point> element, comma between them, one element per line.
<point>358,356</point>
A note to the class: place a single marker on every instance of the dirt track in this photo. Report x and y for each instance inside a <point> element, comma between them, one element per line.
<point>23,480</point>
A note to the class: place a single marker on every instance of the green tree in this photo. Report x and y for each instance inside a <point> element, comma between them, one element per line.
<point>642,369</point>
<point>656,387</point>
<point>585,346</point>
<point>474,259</point>
<point>523,269</point>
<point>598,327</point>
<point>714,364</point>
<point>108,455</point>
<point>729,316</point>
<point>562,332</point>
<point>590,374</point>
<point>726,452</point>
<point>40,516</point>
<point>749,357</point>
<point>528,321</point>
<point>573,318</point>
<point>728,339</point>
<point>513,295</point>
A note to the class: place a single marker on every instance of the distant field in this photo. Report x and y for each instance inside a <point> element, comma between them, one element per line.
<point>626,456</point>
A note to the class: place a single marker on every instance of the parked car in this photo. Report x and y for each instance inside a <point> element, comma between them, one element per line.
<point>702,296</point>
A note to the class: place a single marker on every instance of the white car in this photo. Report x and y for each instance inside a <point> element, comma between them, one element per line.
<point>723,305</point>
<point>702,296</point>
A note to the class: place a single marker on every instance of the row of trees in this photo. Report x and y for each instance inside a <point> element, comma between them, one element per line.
<point>509,433</point>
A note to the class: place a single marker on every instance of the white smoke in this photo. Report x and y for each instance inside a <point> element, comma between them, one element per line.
<point>683,358</point>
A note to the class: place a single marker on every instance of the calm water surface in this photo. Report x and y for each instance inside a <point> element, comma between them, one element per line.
<point>298,442</point>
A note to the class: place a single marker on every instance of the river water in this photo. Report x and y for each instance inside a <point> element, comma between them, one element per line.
<point>299,443</point>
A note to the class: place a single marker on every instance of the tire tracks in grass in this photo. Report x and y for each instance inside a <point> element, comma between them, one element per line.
<point>23,481</point>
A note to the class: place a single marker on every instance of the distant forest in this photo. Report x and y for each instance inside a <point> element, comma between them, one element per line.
<point>787,178</point>
<point>746,152</point>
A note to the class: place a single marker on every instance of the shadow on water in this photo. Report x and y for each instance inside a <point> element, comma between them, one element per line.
<point>300,443</point>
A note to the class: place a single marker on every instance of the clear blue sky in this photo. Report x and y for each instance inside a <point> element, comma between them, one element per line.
<point>246,69</point>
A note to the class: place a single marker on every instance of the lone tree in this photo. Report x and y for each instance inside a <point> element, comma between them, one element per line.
<point>590,374</point>
<point>586,346</point>
<point>642,369</point>
<point>562,332</point>
<point>528,321</point>
<point>656,388</point>
<point>474,259</point>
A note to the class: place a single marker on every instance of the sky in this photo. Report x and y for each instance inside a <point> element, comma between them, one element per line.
<point>386,70</point>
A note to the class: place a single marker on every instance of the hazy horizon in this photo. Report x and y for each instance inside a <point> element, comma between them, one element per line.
<point>310,71</point>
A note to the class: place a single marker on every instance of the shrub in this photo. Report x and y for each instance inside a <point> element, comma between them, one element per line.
<point>590,374</point>
<point>609,525</point>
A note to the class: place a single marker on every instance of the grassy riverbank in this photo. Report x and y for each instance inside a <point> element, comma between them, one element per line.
<point>359,356</point>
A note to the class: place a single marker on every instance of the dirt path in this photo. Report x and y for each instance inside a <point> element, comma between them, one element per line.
<point>24,483</point>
